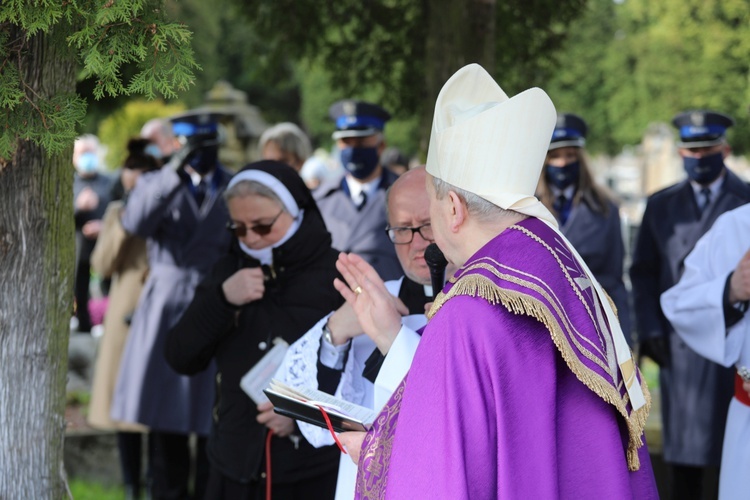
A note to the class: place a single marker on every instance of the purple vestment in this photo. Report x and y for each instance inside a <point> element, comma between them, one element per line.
<point>514,391</point>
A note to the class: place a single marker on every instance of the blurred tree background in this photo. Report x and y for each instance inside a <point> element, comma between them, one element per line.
<point>621,64</point>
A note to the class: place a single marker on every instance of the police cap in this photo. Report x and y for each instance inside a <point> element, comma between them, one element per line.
<point>197,128</point>
<point>701,128</point>
<point>570,131</point>
<point>357,118</point>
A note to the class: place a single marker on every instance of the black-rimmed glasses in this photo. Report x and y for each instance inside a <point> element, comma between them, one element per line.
<point>405,235</point>
<point>240,230</point>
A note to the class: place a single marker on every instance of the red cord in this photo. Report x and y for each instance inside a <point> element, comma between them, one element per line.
<point>268,464</point>
<point>330,428</point>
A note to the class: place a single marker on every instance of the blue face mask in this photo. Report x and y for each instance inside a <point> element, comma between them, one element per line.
<point>88,163</point>
<point>562,177</point>
<point>153,150</point>
<point>360,162</point>
<point>704,170</point>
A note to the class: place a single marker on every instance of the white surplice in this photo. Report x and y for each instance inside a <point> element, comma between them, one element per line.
<point>695,308</point>
<point>300,369</point>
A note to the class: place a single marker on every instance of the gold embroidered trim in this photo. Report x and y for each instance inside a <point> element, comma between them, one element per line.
<point>476,285</point>
<point>372,475</point>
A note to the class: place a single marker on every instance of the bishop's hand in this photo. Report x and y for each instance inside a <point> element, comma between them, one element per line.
<point>379,313</point>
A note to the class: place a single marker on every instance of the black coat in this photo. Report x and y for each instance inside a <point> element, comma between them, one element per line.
<point>298,292</point>
<point>695,392</point>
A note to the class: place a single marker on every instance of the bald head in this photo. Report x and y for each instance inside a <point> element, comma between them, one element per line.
<point>408,206</point>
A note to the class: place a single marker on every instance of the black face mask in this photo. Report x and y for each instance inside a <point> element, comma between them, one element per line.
<point>203,160</point>
<point>562,177</point>
<point>704,170</point>
<point>360,162</point>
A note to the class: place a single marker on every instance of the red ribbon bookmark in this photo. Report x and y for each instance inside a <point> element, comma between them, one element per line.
<point>330,428</point>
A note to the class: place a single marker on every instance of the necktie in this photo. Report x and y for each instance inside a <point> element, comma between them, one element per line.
<point>561,207</point>
<point>362,200</point>
<point>706,201</point>
<point>200,192</point>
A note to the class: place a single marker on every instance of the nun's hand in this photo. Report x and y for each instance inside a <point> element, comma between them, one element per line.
<point>280,425</point>
<point>244,286</point>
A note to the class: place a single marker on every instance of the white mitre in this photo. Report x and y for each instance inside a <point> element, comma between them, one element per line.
<point>489,144</point>
<point>495,147</point>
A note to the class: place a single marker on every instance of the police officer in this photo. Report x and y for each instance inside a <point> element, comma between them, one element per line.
<point>179,210</point>
<point>354,206</point>
<point>695,392</point>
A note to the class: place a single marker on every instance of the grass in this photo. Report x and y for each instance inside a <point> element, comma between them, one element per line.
<point>83,490</point>
<point>650,372</point>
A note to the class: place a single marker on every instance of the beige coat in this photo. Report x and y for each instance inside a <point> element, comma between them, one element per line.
<point>123,257</point>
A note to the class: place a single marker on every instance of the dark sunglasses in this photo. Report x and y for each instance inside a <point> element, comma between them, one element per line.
<point>240,230</point>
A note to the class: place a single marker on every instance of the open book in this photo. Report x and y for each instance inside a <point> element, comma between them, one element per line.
<point>303,404</point>
<point>260,375</point>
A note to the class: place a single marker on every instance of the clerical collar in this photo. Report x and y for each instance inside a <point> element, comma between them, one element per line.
<point>356,188</point>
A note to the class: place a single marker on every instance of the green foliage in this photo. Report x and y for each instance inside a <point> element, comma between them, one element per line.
<point>115,131</point>
<point>630,64</point>
<point>317,96</point>
<point>78,398</point>
<point>85,490</point>
<point>378,49</point>
<point>105,38</point>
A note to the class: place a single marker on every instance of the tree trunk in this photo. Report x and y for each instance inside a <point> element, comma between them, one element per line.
<point>459,32</point>
<point>36,289</point>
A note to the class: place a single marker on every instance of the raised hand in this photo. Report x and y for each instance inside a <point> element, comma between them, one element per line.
<point>379,313</point>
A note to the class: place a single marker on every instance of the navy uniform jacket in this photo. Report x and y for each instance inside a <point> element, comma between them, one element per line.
<point>695,392</point>
<point>598,239</point>
<point>360,231</point>
<point>184,241</point>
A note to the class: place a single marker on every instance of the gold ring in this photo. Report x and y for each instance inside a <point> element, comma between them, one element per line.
<point>358,290</point>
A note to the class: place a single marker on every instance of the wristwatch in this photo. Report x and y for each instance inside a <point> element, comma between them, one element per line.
<point>328,334</point>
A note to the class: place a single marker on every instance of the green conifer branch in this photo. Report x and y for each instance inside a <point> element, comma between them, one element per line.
<point>104,38</point>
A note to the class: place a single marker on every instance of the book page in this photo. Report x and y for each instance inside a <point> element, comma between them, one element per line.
<point>259,376</point>
<point>330,403</point>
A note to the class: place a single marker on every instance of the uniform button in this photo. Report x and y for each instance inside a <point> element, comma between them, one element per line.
<point>262,346</point>
<point>263,475</point>
<point>218,377</point>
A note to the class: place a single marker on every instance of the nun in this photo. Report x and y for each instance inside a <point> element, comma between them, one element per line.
<point>276,282</point>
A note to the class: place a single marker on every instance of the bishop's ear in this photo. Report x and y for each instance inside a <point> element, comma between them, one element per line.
<point>458,211</point>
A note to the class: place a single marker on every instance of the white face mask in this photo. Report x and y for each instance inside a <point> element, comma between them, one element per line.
<point>88,163</point>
